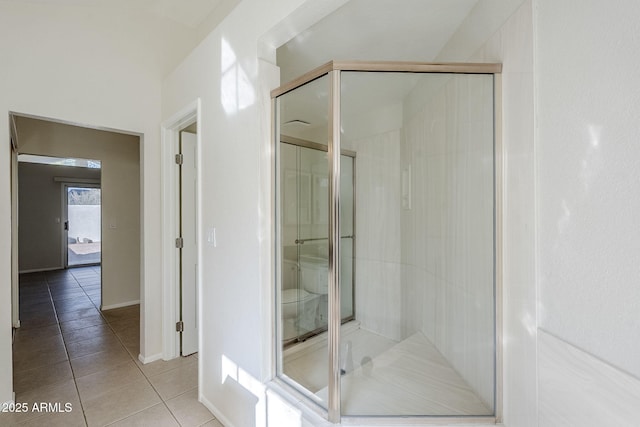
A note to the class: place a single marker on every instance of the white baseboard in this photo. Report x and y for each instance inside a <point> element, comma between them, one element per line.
<point>120,305</point>
<point>149,359</point>
<point>215,411</point>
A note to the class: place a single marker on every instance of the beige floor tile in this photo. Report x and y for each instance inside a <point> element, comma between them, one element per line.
<point>125,325</point>
<point>131,341</point>
<point>133,349</point>
<point>160,366</point>
<point>78,314</point>
<point>188,411</point>
<point>34,308</point>
<point>156,416</point>
<point>62,393</point>
<point>212,423</point>
<point>129,334</point>
<point>75,418</point>
<point>38,352</point>
<point>68,294</point>
<point>74,304</point>
<point>176,381</point>
<point>86,333</point>
<point>99,383</point>
<point>41,376</point>
<point>94,345</point>
<point>27,302</point>
<point>37,343</point>
<point>120,403</point>
<point>81,323</point>
<point>122,313</point>
<point>98,362</point>
<point>36,333</point>
<point>39,321</point>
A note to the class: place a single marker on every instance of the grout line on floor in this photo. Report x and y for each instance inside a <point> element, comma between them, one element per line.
<point>64,343</point>
<point>70,280</point>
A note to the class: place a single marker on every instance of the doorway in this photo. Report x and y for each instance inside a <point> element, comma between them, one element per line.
<point>115,173</point>
<point>181,228</point>
<point>59,214</point>
<point>82,225</point>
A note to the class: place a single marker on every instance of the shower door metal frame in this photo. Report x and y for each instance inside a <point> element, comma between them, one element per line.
<point>333,69</point>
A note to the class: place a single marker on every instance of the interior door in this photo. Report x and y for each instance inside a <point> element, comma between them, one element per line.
<point>188,257</point>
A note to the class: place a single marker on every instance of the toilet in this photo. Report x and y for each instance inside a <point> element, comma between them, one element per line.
<point>301,310</point>
<point>297,306</point>
<point>315,274</point>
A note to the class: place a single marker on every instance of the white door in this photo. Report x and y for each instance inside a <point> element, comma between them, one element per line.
<point>188,259</point>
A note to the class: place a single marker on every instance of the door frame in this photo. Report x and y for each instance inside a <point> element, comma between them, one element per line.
<point>170,134</point>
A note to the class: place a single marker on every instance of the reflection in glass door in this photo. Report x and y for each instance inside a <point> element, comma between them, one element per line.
<point>83,225</point>
<point>305,206</point>
<point>304,177</point>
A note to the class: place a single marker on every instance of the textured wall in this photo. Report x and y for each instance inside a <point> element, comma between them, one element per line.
<point>588,176</point>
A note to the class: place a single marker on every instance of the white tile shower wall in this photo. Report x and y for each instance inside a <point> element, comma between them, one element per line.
<point>378,270</point>
<point>577,389</point>
<point>447,233</point>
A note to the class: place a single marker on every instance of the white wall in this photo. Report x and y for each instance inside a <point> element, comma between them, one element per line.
<point>119,155</point>
<point>570,258</point>
<point>92,67</point>
<point>233,86</point>
<point>588,182</point>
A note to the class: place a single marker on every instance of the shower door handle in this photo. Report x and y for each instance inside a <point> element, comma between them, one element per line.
<point>302,241</point>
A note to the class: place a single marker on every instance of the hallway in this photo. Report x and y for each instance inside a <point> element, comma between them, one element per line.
<point>83,363</point>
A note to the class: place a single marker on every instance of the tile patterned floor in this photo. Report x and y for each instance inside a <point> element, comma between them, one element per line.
<point>69,352</point>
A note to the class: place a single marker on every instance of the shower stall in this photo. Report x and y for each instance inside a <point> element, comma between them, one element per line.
<point>387,229</point>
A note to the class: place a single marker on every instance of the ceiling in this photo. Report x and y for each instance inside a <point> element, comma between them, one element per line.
<point>389,30</point>
<point>191,13</point>
<point>164,32</point>
<point>382,30</point>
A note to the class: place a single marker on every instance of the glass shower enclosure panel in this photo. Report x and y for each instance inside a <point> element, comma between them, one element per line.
<point>303,182</point>
<point>302,179</point>
<point>425,338</point>
<point>386,249</point>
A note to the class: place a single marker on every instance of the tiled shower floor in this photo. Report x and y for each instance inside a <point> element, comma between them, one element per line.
<point>68,351</point>
<point>385,377</point>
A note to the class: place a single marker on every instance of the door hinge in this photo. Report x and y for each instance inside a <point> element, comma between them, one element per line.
<point>179,243</point>
<point>180,326</point>
<point>179,158</point>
